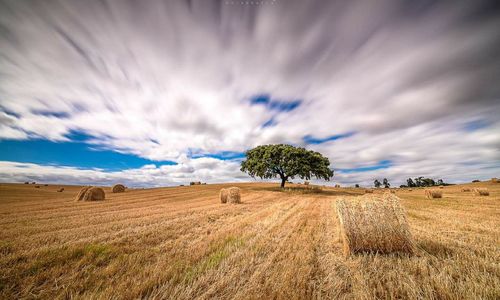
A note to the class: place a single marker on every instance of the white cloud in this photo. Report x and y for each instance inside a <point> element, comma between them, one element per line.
<point>162,78</point>
<point>208,170</point>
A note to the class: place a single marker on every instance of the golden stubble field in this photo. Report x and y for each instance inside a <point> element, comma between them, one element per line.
<point>182,243</point>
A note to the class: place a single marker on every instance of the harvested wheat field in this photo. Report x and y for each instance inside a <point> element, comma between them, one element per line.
<point>182,243</point>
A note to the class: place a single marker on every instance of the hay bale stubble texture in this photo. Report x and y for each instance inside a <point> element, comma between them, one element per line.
<point>481,192</point>
<point>433,194</point>
<point>223,195</point>
<point>374,224</point>
<point>118,188</point>
<point>234,195</point>
<point>90,193</point>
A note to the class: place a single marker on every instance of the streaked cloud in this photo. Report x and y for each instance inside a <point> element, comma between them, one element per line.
<point>416,81</point>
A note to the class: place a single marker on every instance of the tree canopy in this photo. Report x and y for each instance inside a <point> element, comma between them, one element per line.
<point>286,162</point>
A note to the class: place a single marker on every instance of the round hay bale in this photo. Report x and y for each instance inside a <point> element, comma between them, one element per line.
<point>374,224</point>
<point>118,188</point>
<point>234,195</point>
<point>369,191</point>
<point>433,194</point>
<point>90,193</point>
<point>337,185</point>
<point>465,189</point>
<point>60,190</point>
<point>37,186</point>
<point>481,192</point>
<point>409,190</point>
<point>441,187</point>
<point>223,195</point>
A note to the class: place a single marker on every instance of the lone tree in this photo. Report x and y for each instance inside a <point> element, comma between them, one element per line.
<point>285,161</point>
<point>376,183</point>
<point>386,183</point>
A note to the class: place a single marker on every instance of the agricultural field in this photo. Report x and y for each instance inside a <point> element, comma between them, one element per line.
<point>182,243</point>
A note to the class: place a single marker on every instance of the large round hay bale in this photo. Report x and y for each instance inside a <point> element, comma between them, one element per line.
<point>481,192</point>
<point>369,191</point>
<point>90,193</point>
<point>374,224</point>
<point>118,188</point>
<point>432,194</point>
<point>82,192</point>
<point>234,195</point>
<point>223,195</point>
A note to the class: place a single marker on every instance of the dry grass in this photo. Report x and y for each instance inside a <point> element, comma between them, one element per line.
<point>118,188</point>
<point>433,194</point>
<point>180,243</point>
<point>481,192</point>
<point>465,189</point>
<point>374,224</point>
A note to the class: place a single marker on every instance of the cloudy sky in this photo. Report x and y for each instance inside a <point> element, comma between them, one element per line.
<point>154,93</point>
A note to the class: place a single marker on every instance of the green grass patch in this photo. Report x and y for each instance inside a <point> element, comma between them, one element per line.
<point>95,254</point>
<point>217,253</point>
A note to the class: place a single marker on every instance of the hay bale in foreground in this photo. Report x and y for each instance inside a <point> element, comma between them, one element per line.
<point>118,188</point>
<point>465,190</point>
<point>481,192</point>
<point>432,194</point>
<point>337,185</point>
<point>374,224</point>
<point>223,195</point>
<point>90,193</point>
<point>234,195</point>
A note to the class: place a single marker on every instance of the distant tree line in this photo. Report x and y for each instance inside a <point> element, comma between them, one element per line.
<point>415,182</point>
<point>385,183</point>
<point>423,182</point>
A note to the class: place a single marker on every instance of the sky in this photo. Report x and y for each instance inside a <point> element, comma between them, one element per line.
<point>159,93</point>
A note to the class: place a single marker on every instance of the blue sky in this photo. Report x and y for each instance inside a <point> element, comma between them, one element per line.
<point>175,91</point>
<point>75,154</point>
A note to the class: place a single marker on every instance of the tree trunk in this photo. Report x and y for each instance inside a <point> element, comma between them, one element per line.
<point>283,181</point>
